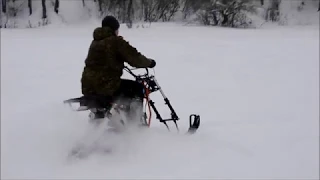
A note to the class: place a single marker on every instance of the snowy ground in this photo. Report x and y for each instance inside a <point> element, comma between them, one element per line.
<point>257,92</point>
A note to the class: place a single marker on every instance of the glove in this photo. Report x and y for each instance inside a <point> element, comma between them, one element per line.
<point>153,63</point>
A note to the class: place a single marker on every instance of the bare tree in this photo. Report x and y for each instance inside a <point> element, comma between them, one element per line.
<point>100,5</point>
<point>130,13</point>
<point>149,11</point>
<point>122,10</point>
<point>30,7</point>
<point>193,6</point>
<point>273,11</point>
<point>44,9</point>
<point>225,13</point>
<point>4,6</point>
<point>167,8</point>
<point>56,6</point>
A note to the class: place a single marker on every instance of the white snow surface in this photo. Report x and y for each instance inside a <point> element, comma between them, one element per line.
<point>257,92</point>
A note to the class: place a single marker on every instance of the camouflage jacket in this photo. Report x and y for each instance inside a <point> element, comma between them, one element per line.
<point>105,62</point>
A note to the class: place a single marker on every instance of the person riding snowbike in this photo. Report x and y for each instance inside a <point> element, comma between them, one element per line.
<point>104,64</point>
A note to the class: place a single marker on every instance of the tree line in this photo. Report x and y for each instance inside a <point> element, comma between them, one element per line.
<point>231,13</point>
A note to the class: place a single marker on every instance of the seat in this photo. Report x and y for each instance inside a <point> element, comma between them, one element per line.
<point>91,102</point>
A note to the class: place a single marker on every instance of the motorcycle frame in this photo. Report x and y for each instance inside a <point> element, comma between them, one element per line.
<point>153,86</point>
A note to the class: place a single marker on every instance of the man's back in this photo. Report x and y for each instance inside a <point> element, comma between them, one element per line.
<point>103,66</point>
<point>105,62</point>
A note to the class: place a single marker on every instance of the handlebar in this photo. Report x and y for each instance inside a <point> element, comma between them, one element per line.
<point>134,75</point>
<point>149,80</point>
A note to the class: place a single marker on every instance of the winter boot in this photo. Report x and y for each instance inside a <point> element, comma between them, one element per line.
<point>96,116</point>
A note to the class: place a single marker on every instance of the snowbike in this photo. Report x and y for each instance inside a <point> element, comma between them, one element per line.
<point>151,85</point>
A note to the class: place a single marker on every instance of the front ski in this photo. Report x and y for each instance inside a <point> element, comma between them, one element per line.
<point>194,123</point>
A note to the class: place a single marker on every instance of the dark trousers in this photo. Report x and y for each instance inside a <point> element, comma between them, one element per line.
<point>130,89</point>
<point>130,93</point>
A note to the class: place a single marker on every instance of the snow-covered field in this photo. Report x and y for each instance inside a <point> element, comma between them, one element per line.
<point>257,92</point>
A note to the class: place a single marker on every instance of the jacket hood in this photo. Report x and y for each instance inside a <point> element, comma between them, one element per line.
<point>102,33</point>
